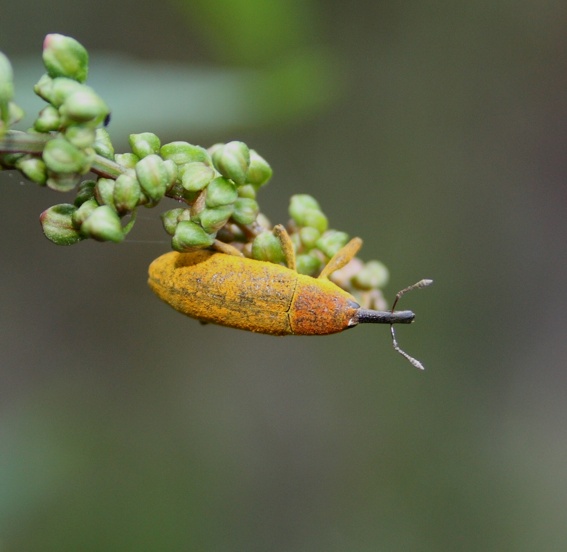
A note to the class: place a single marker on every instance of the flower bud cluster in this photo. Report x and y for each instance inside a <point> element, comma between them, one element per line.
<point>219,185</point>
<point>215,188</point>
<point>73,113</point>
<point>315,244</point>
<point>10,113</point>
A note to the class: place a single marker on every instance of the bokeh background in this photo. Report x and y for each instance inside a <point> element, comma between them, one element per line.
<point>434,130</point>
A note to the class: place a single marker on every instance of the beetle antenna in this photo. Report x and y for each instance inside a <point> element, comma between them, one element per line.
<point>413,361</point>
<point>418,285</point>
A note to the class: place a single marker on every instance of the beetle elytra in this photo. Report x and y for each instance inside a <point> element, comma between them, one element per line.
<point>264,297</point>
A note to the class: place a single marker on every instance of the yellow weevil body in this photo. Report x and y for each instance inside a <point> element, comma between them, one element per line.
<point>265,297</point>
<point>251,295</point>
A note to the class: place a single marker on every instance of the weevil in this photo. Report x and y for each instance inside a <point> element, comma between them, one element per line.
<point>258,296</point>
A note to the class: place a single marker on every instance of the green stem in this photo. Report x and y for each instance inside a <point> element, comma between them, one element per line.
<point>16,141</point>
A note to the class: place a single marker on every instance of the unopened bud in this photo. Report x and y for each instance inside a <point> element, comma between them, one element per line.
<point>259,172</point>
<point>80,136</point>
<point>153,176</point>
<point>221,192</point>
<point>57,224</point>
<point>212,220</point>
<point>47,120</point>
<point>60,156</point>
<point>62,182</point>
<point>183,152</point>
<point>299,204</point>
<point>84,212</point>
<point>56,91</point>
<point>330,242</point>
<point>170,220</point>
<point>85,191</point>
<point>247,191</point>
<point>308,264</point>
<point>6,82</point>
<point>245,210</point>
<point>266,247</point>
<point>63,56</point>
<point>232,161</point>
<point>103,225</point>
<point>196,175</point>
<point>144,144</point>
<point>308,237</point>
<point>103,144</point>
<point>189,236</point>
<point>104,191</point>
<point>127,160</point>
<point>127,193</point>
<point>84,106</point>
<point>373,275</point>
<point>33,168</point>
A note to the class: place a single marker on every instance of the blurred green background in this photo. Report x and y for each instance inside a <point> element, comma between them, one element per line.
<point>434,130</point>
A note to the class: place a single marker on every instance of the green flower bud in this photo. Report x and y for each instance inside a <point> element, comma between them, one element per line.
<point>247,191</point>
<point>221,192</point>
<point>63,56</point>
<point>212,150</point>
<point>308,237</point>
<point>330,242</point>
<point>57,224</point>
<point>245,210</point>
<point>85,191</point>
<point>263,221</point>
<point>43,87</point>
<point>47,120</point>
<point>314,219</point>
<point>185,215</point>
<point>144,144</point>
<point>9,160</point>
<point>84,212</point>
<point>62,157</point>
<point>299,204</point>
<point>266,247</point>
<point>80,136</point>
<point>195,176</point>
<point>6,83</point>
<point>103,225</point>
<point>127,193</point>
<point>32,168</point>
<point>170,220</point>
<point>212,220</point>
<point>62,182</point>
<point>104,191</point>
<point>56,91</point>
<point>182,152</point>
<point>259,172</point>
<point>15,113</point>
<point>373,275</point>
<point>171,171</point>
<point>153,176</point>
<point>127,160</point>
<point>190,237</point>
<point>232,161</point>
<point>84,106</point>
<point>308,264</point>
<point>103,145</point>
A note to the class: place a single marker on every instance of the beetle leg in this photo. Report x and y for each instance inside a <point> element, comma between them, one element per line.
<point>341,257</point>
<point>227,248</point>
<point>287,246</point>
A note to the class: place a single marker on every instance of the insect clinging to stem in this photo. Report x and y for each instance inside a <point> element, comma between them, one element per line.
<point>229,289</point>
